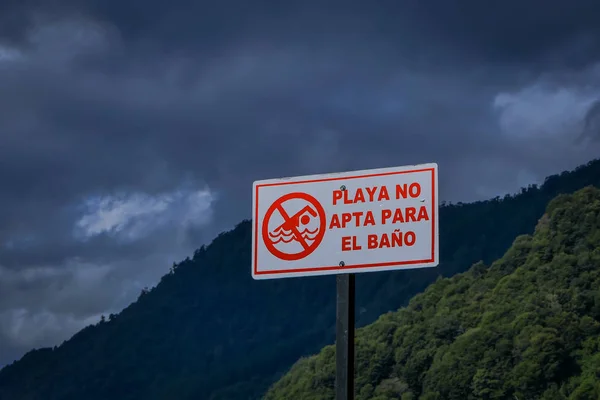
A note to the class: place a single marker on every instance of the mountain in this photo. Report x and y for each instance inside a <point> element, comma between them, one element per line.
<point>208,331</point>
<point>527,327</point>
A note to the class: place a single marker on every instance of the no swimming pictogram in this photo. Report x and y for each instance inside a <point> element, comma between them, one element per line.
<point>296,229</point>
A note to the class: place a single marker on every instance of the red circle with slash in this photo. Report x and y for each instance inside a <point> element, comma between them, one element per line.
<point>292,222</point>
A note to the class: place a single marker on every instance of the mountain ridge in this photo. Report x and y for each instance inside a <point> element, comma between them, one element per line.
<point>208,330</point>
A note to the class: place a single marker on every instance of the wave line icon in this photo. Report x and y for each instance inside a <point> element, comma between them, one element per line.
<point>288,231</point>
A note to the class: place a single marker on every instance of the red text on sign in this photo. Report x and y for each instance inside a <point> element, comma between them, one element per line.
<point>357,218</point>
<point>376,193</point>
<point>395,239</point>
<point>369,194</point>
<point>366,218</point>
<point>404,191</point>
<point>408,214</point>
<point>349,243</point>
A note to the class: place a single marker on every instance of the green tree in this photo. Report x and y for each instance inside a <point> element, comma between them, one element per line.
<point>524,328</point>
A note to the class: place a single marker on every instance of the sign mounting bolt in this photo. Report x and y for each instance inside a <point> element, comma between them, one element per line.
<point>342,263</point>
<point>342,188</point>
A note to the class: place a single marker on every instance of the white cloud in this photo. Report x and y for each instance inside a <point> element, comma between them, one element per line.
<point>25,328</point>
<point>133,216</point>
<point>541,124</point>
<point>41,305</point>
<point>44,305</point>
<point>542,111</point>
<point>111,214</point>
<point>8,54</point>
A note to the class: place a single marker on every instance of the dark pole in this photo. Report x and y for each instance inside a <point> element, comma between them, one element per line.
<point>344,346</point>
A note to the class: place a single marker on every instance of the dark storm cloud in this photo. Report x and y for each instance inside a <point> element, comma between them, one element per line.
<point>512,30</point>
<point>130,132</point>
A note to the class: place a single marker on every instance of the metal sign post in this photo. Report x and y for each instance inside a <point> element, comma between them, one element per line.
<point>344,345</point>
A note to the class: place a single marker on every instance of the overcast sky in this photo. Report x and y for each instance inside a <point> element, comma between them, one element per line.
<point>131,132</point>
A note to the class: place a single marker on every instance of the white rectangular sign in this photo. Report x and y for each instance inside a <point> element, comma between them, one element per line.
<point>360,221</point>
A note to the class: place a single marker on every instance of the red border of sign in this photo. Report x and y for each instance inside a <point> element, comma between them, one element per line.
<point>346,267</point>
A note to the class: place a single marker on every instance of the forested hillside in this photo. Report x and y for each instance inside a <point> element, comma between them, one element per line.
<point>208,331</point>
<point>527,327</point>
